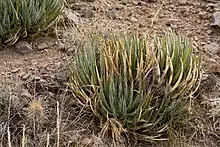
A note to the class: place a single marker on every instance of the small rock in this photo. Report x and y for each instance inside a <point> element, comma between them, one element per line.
<point>216,17</point>
<point>62,76</point>
<point>203,43</point>
<point>25,93</point>
<point>23,47</point>
<point>182,2</point>
<point>132,19</point>
<point>209,32</point>
<point>203,15</point>
<point>212,47</point>
<point>43,64</point>
<point>42,46</point>
<point>26,76</point>
<point>86,141</point>
<point>87,13</point>
<point>214,67</point>
<point>209,82</point>
<point>196,38</point>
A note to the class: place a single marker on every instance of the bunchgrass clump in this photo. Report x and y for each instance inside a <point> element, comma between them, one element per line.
<point>19,18</point>
<point>134,86</point>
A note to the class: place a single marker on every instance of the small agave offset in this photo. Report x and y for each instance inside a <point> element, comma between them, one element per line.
<point>134,87</point>
<point>19,18</point>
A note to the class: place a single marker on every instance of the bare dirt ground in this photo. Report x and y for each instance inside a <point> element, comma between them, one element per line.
<point>39,76</point>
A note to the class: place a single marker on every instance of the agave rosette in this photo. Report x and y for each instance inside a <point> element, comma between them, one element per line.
<point>132,86</point>
<point>20,18</point>
<point>38,15</point>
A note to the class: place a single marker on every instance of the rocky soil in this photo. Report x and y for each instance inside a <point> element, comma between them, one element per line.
<point>37,70</point>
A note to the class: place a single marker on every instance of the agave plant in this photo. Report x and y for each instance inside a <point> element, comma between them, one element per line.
<point>133,87</point>
<point>20,18</point>
<point>9,21</point>
<point>38,15</point>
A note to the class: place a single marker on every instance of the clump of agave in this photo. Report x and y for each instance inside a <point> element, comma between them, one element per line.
<point>18,18</point>
<point>136,87</point>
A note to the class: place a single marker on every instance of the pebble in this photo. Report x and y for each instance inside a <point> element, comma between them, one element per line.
<point>132,19</point>
<point>216,17</point>
<point>42,46</point>
<point>87,13</point>
<point>213,67</point>
<point>212,47</point>
<point>62,76</point>
<point>26,76</point>
<point>23,47</point>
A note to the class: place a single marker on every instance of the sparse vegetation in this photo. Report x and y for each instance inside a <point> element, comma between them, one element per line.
<point>134,87</point>
<point>117,91</point>
<point>24,17</point>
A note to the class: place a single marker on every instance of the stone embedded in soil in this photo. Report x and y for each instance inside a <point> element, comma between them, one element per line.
<point>216,17</point>
<point>62,76</point>
<point>212,48</point>
<point>132,19</point>
<point>43,64</point>
<point>203,15</point>
<point>23,47</point>
<point>25,76</point>
<point>42,46</point>
<point>87,13</point>
<point>214,67</point>
<point>182,2</point>
<point>209,82</point>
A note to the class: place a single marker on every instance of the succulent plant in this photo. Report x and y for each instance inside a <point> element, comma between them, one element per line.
<point>9,21</point>
<point>20,18</point>
<point>136,87</point>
